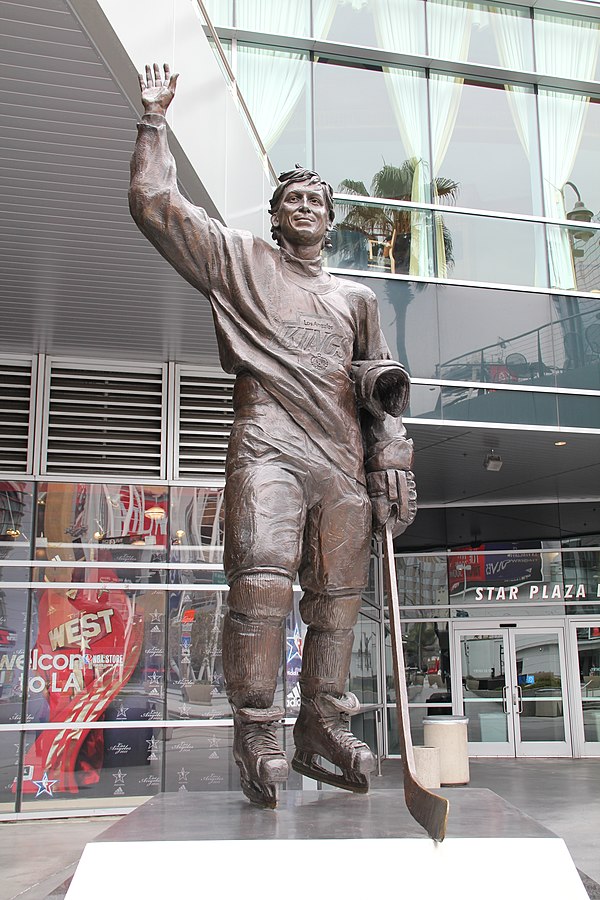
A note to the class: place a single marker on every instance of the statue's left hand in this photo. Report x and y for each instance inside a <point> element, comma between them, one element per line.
<point>157,92</point>
<point>393,496</point>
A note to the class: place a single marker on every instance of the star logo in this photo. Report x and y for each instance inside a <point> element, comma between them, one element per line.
<point>155,617</point>
<point>119,777</point>
<point>182,775</point>
<point>214,742</point>
<point>184,711</point>
<point>154,678</point>
<point>122,711</point>
<point>44,786</point>
<point>294,646</point>
<point>152,748</point>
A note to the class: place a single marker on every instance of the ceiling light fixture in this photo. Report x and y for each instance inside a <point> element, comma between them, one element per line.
<point>492,462</point>
<point>155,512</point>
<point>560,443</point>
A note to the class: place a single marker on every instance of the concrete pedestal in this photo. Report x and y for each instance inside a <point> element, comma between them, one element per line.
<point>187,844</point>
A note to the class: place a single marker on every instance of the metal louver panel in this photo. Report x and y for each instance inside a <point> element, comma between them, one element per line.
<point>104,421</point>
<point>205,419</point>
<point>15,415</point>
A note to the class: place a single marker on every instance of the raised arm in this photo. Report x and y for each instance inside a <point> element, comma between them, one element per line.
<point>184,234</point>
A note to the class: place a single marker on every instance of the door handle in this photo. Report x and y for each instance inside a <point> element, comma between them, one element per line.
<point>519,699</point>
<point>504,699</point>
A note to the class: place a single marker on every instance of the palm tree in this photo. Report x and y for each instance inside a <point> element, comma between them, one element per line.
<point>389,225</point>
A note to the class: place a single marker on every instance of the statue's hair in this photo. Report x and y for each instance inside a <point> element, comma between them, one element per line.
<point>300,174</point>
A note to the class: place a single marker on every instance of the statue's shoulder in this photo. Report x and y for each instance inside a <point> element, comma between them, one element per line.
<point>356,292</point>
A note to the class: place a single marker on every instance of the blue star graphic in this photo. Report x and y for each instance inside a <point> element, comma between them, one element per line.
<point>294,646</point>
<point>44,786</point>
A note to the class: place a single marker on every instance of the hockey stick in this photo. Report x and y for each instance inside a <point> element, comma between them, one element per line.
<point>429,810</point>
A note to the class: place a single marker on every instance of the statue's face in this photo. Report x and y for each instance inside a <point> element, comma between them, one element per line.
<point>303,216</point>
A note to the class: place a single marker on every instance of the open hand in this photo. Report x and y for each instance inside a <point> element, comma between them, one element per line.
<point>157,92</point>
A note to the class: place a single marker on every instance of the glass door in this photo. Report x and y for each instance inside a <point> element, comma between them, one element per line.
<point>585,638</point>
<point>510,685</point>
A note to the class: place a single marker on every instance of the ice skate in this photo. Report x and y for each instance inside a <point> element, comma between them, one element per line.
<point>323,730</point>
<point>261,760</point>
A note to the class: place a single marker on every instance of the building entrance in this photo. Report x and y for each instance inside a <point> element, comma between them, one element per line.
<point>511,684</point>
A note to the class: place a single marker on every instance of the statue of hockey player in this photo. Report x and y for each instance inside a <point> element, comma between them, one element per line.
<point>317,455</point>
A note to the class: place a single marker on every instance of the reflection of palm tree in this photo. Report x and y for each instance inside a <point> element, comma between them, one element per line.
<point>364,226</point>
<point>389,225</point>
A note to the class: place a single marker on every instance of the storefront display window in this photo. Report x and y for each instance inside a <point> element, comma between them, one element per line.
<point>112,767</point>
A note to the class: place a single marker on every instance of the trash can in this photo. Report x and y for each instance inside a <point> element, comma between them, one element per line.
<point>449,734</point>
<point>427,765</point>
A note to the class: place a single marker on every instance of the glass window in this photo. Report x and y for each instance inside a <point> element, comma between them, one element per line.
<point>220,12</point>
<point>484,144</point>
<point>101,533</point>
<point>588,652</point>
<point>274,17</point>
<point>422,581</point>
<point>467,404</point>
<point>577,341</point>
<point>494,578</point>
<point>502,251</point>
<point>13,621</point>
<point>395,239</point>
<point>274,84</point>
<point>201,759</point>
<point>196,686</point>
<point>578,412</point>
<point>480,32</point>
<point>371,130</point>
<point>10,744</point>
<point>390,25</point>
<point>364,664</point>
<point>16,498</point>
<point>569,136</point>
<point>582,570</point>
<point>107,768</point>
<point>566,46</point>
<point>502,337</point>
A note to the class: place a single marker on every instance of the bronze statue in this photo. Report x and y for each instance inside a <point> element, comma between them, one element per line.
<point>318,455</point>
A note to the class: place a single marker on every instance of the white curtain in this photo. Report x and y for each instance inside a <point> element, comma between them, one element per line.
<point>399,25</point>
<point>507,25</point>
<point>508,33</point>
<point>271,81</point>
<point>449,25</point>
<point>571,50</point>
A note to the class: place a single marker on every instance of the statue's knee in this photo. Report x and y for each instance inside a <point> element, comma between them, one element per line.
<point>330,612</point>
<point>260,595</point>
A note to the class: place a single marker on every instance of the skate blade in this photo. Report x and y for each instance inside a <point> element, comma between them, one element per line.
<point>305,764</point>
<point>264,793</point>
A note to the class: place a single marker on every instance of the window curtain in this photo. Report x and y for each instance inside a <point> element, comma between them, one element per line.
<point>272,81</point>
<point>572,51</point>
<point>508,34</point>
<point>399,25</point>
<point>219,13</point>
<point>514,54</point>
<point>449,27</point>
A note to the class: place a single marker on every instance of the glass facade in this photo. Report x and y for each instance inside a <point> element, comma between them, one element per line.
<point>112,599</point>
<point>460,139</point>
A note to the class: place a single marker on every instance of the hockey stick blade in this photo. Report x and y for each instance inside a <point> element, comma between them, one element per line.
<point>428,809</point>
